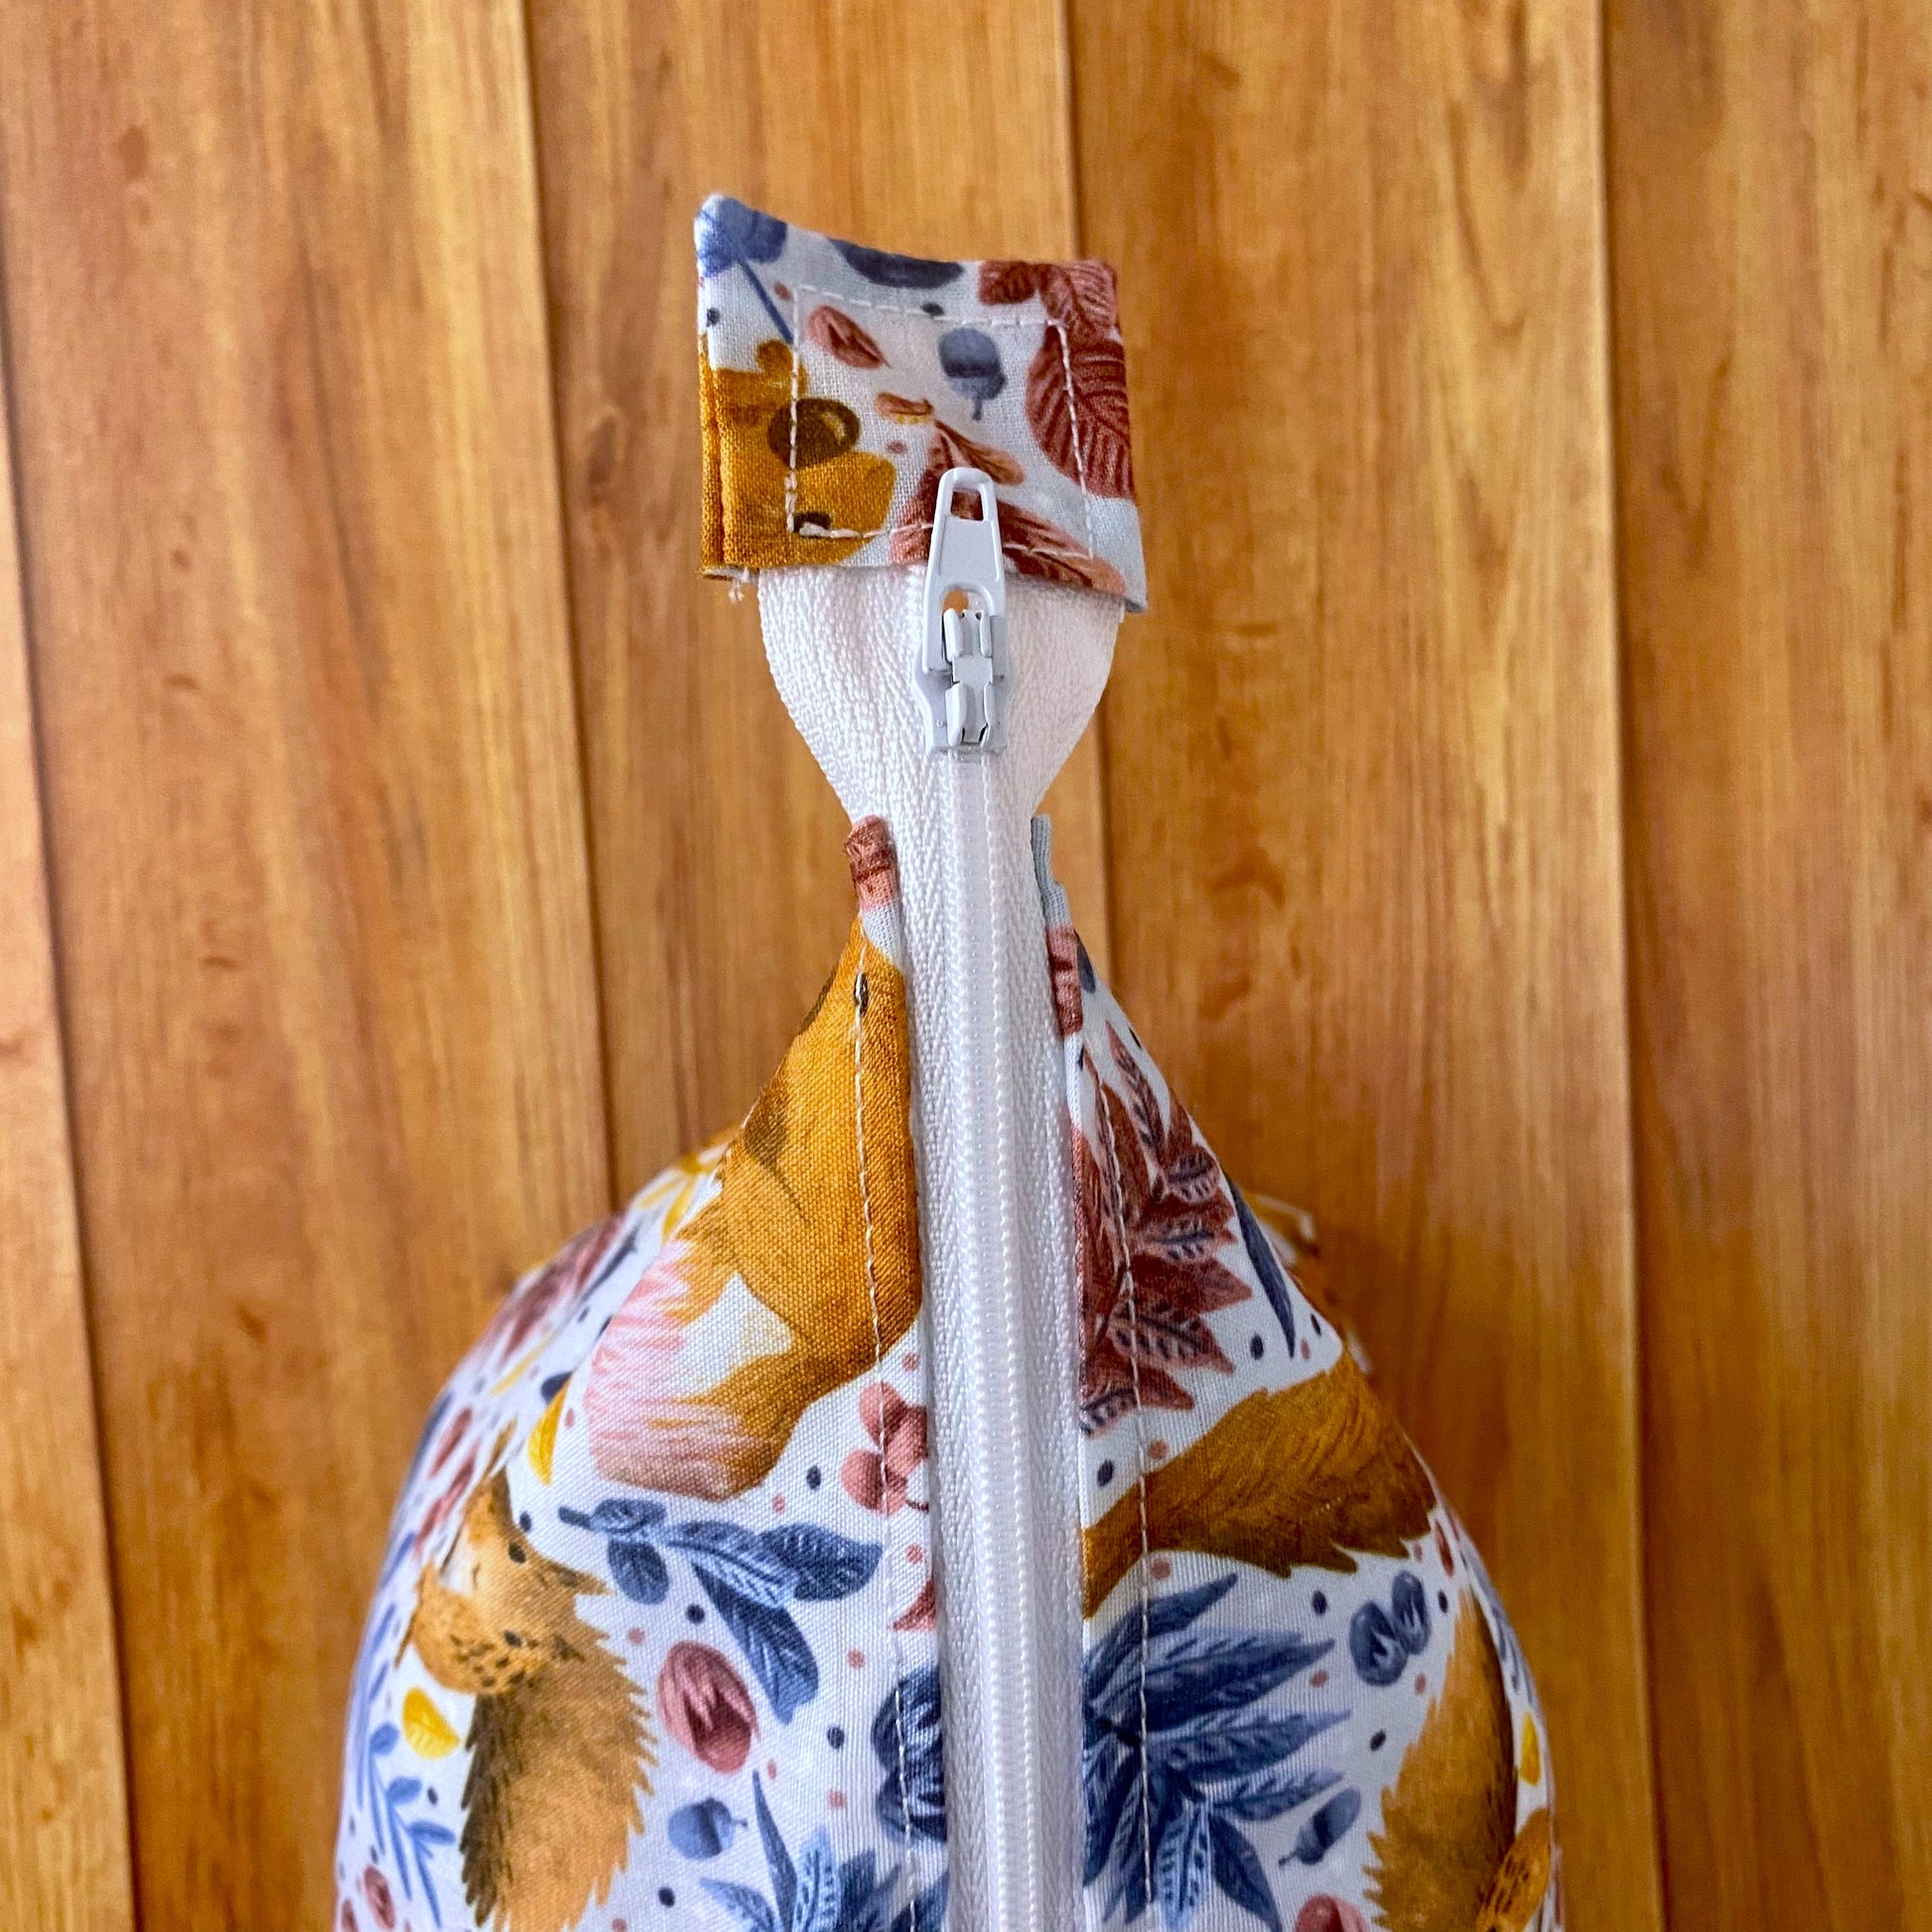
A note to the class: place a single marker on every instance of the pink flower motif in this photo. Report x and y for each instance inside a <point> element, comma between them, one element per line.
<point>1325,1913</point>
<point>376,1888</point>
<point>706,1707</point>
<point>879,1478</point>
<point>345,1920</point>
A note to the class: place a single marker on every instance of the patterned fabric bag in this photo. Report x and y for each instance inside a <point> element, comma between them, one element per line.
<point>945,1500</point>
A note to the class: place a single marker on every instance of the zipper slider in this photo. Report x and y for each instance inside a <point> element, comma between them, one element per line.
<point>962,667</point>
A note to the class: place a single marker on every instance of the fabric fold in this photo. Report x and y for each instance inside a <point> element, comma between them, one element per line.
<point>838,383</point>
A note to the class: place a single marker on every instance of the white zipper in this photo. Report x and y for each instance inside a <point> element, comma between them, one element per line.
<point>962,674</point>
<point>878,668</point>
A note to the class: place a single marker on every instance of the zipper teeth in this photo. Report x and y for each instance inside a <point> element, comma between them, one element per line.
<point>1025,1699</point>
<point>997,1207</point>
<point>1010,1770</point>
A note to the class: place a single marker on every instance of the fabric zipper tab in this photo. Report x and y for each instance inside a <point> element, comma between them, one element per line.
<point>962,666</point>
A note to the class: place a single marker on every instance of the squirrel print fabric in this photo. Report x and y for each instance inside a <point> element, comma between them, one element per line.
<point>1304,1705</point>
<point>654,1640</point>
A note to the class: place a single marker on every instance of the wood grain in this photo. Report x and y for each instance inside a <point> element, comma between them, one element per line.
<point>720,877</point>
<point>1772,227</point>
<point>63,1853</point>
<point>297,600</point>
<point>1363,758</point>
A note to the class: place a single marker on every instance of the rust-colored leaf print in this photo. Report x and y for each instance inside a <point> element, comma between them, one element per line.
<point>1076,384</point>
<point>1081,296</point>
<point>1076,407</point>
<point>545,1296</point>
<point>953,448</point>
<point>1038,548</point>
<point>839,337</point>
<point>1005,282</point>
<point>1154,1216</point>
<point>1033,545</point>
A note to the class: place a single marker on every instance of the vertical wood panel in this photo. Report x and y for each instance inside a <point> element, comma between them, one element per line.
<point>296,596</point>
<point>1363,757</point>
<point>720,876</point>
<point>63,1854</point>
<point>1772,227</point>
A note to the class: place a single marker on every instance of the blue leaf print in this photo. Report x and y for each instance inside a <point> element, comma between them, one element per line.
<point>1379,1653</point>
<point>816,1893</point>
<point>1223,1673</point>
<point>638,1570</point>
<point>785,1876</point>
<point>703,1829</point>
<point>746,1906</point>
<point>927,1909</point>
<point>749,1577</point>
<point>739,1560</point>
<point>905,1731</point>
<point>1165,1616</point>
<point>774,1646</point>
<point>728,231</point>
<point>970,358</point>
<point>1177,1768</point>
<point>1267,1266</point>
<point>617,1516</point>
<point>1183,1862</point>
<point>1321,1832</point>
<point>1111,1779</point>
<point>1238,1872</point>
<point>731,235</point>
<point>1268,1794</point>
<point>890,271</point>
<point>1409,1611</point>
<point>815,1901</point>
<point>1221,1752</point>
<point>864,1900</point>
<point>828,1565</point>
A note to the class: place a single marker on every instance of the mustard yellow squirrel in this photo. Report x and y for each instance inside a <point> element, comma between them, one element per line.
<point>560,1739</point>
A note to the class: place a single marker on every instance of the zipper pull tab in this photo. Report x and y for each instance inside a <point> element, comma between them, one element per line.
<point>962,667</point>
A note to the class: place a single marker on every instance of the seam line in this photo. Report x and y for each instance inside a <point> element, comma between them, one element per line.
<point>861,1005</point>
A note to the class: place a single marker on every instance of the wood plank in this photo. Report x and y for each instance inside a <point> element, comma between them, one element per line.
<point>63,1854</point>
<point>1363,757</point>
<point>720,877</point>
<point>295,591</point>
<point>1772,229</point>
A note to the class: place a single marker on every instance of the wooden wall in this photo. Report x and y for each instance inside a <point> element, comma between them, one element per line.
<point>1512,827</point>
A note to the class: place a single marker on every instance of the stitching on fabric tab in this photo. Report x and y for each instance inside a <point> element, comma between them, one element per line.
<point>899,309</point>
<point>1139,1443</point>
<point>861,1004</point>
<point>1079,455</point>
<point>800,289</point>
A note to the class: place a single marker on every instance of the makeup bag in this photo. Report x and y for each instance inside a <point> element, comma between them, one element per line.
<point>943,1500</point>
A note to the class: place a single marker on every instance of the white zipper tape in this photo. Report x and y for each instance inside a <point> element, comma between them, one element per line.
<point>996,1208</point>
